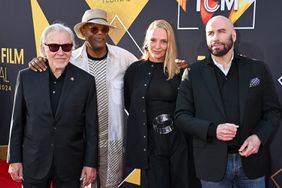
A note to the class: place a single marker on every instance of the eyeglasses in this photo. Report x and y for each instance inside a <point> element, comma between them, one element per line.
<point>95,29</point>
<point>56,47</point>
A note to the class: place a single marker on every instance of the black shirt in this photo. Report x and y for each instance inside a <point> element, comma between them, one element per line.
<point>161,94</point>
<point>55,86</point>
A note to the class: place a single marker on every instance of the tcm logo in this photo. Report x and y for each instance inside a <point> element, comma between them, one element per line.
<point>213,8</point>
<point>197,13</point>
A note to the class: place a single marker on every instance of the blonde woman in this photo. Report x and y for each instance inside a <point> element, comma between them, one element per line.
<point>153,141</point>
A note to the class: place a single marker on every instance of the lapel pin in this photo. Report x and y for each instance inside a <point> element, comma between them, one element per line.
<point>72,78</point>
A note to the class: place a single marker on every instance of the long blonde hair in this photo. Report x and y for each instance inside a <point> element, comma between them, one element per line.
<point>170,66</point>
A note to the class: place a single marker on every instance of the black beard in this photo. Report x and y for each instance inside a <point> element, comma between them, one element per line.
<point>227,46</point>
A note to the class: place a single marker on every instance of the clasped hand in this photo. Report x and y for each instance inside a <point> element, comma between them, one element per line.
<point>228,131</point>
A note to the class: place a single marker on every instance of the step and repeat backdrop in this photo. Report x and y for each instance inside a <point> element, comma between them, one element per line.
<point>258,23</point>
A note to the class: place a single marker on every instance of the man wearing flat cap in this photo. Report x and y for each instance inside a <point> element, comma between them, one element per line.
<point>107,63</point>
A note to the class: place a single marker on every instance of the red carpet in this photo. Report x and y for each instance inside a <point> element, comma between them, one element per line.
<point>5,178</point>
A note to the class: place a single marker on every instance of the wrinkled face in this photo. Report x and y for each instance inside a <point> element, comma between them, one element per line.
<point>95,35</point>
<point>220,37</point>
<point>157,44</point>
<point>58,49</point>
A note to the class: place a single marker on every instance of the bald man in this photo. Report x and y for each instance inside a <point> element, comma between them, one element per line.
<point>230,107</point>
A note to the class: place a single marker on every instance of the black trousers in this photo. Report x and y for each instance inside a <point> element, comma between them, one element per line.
<point>47,183</point>
<point>53,177</point>
<point>168,162</point>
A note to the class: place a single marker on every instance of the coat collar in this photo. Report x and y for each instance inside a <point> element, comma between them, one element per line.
<point>211,82</point>
<point>45,90</point>
<point>209,76</point>
<point>66,90</point>
<point>68,83</point>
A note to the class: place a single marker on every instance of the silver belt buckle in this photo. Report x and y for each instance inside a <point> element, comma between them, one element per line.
<point>163,124</point>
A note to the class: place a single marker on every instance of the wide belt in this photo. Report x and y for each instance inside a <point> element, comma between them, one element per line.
<point>163,124</point>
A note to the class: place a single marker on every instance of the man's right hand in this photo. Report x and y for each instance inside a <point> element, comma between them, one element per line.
<point>38,64</point>
<point>16,171</point>
<point>88,175</point>
<point>226,131</point>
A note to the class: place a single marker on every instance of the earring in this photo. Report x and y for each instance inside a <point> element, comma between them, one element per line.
<point>146,47</point>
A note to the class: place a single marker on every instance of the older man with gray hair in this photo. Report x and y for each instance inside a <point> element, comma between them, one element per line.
<point>54,127</point>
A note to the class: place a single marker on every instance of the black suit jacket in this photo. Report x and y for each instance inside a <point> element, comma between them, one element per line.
<point>199,104</point>
<point>68,138</point>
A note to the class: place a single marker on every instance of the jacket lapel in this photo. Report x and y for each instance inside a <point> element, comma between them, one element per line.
<point>68,83</point>
<point>244,77</point>
<point>45,90</point>
<point>211,82</point>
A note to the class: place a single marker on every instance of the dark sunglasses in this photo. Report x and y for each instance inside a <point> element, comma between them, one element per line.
<point>56,47</point>
<point>95,29</point>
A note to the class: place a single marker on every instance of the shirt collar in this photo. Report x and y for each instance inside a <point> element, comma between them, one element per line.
<point>220,66</point>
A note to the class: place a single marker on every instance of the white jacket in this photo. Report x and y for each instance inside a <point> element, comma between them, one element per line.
<point>118,60</point>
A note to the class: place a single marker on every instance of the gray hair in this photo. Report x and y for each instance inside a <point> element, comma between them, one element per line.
<point>59,27</point>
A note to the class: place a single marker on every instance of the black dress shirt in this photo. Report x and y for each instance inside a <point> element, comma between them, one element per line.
<point>55,86</point>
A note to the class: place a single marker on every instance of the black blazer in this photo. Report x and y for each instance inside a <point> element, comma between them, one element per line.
<point>199,104</point>
<point>68,138</point>
<point>136,81</point>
